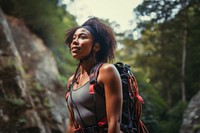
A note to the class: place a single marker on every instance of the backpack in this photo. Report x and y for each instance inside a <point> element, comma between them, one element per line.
<point>132,101</point>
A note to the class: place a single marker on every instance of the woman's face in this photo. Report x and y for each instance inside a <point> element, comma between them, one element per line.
<point>81,44</point>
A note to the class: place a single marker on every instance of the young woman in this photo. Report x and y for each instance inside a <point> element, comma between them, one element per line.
<point>91,44</point>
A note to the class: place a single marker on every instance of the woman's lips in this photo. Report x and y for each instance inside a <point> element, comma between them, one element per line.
<point>75,49</point>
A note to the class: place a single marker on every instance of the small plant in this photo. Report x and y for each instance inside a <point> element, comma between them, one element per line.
<point>38,87</point>
<point>196,128</point>
<point>15,101</point>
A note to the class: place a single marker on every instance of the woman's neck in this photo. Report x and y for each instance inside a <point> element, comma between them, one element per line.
<point>86,66</point>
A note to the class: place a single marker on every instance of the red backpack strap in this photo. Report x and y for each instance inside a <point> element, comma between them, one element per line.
<point>138,107</point>
<point>91,89</point>
<point>135,88</point>
<point>93,77</point>
<point>67,95</point>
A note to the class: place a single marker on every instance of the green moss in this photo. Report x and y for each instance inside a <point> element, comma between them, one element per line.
<point>15,101</point>
<point>38,87</point>
<point>47,103</point>
<point>196,128</point>
<point>21,121</point>
<point>10,68</point>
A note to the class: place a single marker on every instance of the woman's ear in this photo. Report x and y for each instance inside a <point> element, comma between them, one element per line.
<point>97,47</point>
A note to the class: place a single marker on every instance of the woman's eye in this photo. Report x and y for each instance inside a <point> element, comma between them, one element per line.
<point>82,37</point>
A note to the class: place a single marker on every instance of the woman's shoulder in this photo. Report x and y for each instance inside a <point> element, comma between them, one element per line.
<point>107,71</point>
<point>70,80</point>
<point>107,67</point>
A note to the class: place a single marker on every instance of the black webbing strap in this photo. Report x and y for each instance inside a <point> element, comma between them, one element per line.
<point>93,83</point>
<point>94,73</point>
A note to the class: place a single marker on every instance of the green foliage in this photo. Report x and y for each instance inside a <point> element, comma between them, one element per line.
<point>157,57</point>
<point>193,62</point>
<point>66,64</point>
<point>49,20</point>
<point>157,11</point>
<point>175,116</point>
<point>154,107</point>
<point>162,52</point>
<point>43,17</point>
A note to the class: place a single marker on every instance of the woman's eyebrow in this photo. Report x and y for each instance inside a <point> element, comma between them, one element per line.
<point>81,33</point>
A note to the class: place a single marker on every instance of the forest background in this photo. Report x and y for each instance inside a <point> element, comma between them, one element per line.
<point>165,58</point>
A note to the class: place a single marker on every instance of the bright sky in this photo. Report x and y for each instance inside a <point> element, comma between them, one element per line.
<point>120,11</point>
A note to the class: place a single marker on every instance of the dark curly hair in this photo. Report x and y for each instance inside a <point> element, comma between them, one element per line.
<point>104,36</point>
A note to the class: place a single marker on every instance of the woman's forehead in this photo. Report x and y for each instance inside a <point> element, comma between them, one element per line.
<point>82,30</point>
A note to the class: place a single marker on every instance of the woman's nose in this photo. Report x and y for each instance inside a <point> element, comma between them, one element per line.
<point>75,41</point>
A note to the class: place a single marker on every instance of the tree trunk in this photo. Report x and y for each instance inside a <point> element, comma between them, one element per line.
<point>185,37</point>
<point>184,54</point>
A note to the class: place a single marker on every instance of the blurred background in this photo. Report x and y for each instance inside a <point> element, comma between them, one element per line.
<point>159,39</point>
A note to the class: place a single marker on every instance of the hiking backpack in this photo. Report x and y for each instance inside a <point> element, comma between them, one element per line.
<point>132,101</point>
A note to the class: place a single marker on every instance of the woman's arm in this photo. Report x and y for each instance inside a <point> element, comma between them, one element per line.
<point>110,78</point>
<point>70,127</point>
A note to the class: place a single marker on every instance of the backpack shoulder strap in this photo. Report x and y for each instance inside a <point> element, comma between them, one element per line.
<point>94,73</point>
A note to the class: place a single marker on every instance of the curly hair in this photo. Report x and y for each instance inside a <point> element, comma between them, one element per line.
<point>104,36</point>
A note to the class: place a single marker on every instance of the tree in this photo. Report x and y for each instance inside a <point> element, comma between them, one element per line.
<point>169,57</point>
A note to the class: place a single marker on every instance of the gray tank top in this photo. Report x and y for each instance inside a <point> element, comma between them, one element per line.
<point>87,112</point>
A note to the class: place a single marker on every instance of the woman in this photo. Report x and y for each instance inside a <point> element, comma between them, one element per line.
<point>91,44</point>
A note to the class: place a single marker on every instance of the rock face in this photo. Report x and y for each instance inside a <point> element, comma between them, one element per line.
<point>31,96</point>
<point>191,116</point>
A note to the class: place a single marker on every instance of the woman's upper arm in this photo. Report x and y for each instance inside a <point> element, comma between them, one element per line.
<point>70,127</point>
<point>110,78</point>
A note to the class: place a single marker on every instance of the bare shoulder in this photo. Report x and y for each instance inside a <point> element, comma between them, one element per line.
<point>70,80</point>
<point>107,72</point>
<point>107,68</point>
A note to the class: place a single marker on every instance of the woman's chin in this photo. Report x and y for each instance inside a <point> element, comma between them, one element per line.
<point>76,57</point>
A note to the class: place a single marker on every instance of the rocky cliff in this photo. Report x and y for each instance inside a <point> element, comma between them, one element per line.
<point>191,116</point>
<point>31,96</point>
